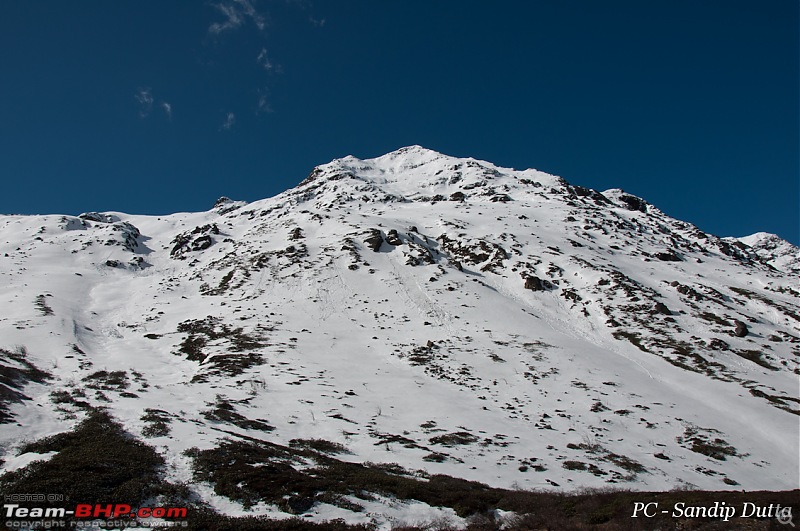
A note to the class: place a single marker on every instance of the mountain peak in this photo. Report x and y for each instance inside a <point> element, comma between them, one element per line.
<point>397,160</point>
<point>760,238</point>
<point>415,173</point>
<point>412,150</point>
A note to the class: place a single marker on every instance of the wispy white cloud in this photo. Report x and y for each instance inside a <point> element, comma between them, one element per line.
<point>236,13</point>
<point>233,19</point>
<point>241,15</point>
<point>147,102</point>
<point>264,61</point>
<point>308,6</point>
<point>249,10</point>
<point>167,109</point>
<point>263,102</point>
<point>230,120</point>
<point>144,98</point>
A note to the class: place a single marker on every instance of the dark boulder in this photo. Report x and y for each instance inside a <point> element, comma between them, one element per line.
<point>299,504</point>
<point>500,198</point>
<point>180,241</point>
<point>534,283</point>
<point>537,284</point>
<point>374,239</point>
<point>661,308</point>
<point>201,243</point>
<point>668,256</point>
<point>740,329</point>
<point>393,238</point>
<point>633,203</point>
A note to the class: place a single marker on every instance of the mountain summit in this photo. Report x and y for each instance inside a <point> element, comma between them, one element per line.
<point>415,173</point>
<point>431,315</point>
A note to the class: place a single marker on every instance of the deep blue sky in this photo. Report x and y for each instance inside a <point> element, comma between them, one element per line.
<point>151,106</point>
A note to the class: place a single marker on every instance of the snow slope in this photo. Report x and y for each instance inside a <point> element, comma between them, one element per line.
<point>439,313</point>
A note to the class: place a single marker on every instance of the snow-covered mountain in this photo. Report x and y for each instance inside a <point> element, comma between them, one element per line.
<point>443,314</point>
